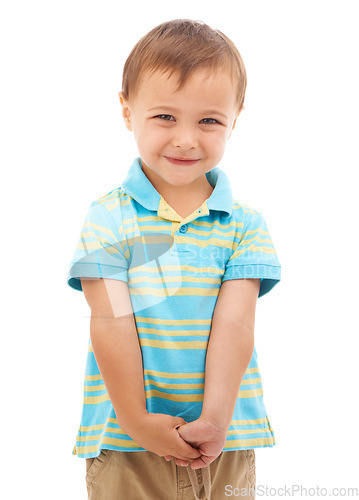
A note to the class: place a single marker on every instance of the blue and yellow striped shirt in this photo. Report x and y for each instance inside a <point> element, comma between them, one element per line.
<point>174,269</point>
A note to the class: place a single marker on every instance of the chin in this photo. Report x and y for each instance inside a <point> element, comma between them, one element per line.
<point>178,181</point>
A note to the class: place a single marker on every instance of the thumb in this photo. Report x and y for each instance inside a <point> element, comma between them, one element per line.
<point>179,422</point>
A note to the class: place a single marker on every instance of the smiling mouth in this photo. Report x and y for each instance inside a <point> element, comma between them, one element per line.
<point>182,161</point>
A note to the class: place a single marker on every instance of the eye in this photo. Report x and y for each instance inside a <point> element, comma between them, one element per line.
<point>164,117</point>
<point>209,121</point>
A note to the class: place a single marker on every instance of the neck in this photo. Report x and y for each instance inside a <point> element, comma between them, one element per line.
<point>199,189</point>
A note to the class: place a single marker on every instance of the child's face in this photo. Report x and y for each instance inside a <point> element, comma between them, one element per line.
<point>182,135</point>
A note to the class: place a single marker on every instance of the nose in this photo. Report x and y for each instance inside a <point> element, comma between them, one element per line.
<point>185,137</point>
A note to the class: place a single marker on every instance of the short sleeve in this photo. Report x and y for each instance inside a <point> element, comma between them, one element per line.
<point>100,250</point>
<point>255,256</point>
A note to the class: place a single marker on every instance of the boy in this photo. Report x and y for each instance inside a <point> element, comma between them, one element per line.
<point>171,267</point>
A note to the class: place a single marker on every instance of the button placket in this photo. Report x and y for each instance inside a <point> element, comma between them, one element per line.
<point>179,225</point>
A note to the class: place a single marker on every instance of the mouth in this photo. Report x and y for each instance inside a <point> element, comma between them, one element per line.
<point>182,161</point>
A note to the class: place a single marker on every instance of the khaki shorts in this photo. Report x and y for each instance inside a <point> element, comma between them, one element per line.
<point>143,475</point>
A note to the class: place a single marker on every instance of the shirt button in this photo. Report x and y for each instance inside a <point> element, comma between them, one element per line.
<point>183,228</point>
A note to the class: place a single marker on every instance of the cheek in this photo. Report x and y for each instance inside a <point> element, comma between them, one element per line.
<point>216,142</point>
<point>152,136</point>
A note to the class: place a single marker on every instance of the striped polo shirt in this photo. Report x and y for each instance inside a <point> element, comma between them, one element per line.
<point>174,268</point>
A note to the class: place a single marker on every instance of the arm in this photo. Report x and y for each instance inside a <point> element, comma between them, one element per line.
<point>114,337</point>
<point>229,352</point>
<point>118,354</point>
<point>230,349</point>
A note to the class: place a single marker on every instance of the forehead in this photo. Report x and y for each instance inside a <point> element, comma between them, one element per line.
<point>204,86</point>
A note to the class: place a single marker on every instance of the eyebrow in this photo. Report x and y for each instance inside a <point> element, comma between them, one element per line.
<point>175,110</point>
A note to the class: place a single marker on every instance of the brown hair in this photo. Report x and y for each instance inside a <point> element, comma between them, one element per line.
<point>182,46</point>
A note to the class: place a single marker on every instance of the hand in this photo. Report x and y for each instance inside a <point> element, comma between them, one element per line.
<point>206,437</point>
<point>157,432</point>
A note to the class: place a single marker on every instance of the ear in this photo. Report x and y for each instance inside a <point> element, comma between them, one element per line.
<point>126,111</point>
<point>235,120</point>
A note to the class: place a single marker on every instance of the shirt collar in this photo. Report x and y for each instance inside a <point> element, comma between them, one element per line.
<point>139,187</point>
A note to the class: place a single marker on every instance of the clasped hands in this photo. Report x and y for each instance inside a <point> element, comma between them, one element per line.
<point>199,442</point>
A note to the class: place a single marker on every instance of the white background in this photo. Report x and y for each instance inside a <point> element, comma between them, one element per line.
<point>292,156</point>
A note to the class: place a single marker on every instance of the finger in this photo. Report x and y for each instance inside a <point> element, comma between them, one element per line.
<point>186,450</point>
<point>182,456</point>
<point>168,458</point>
<point>188,454</point>
<point>203,461</point>
<point>182,463</point>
